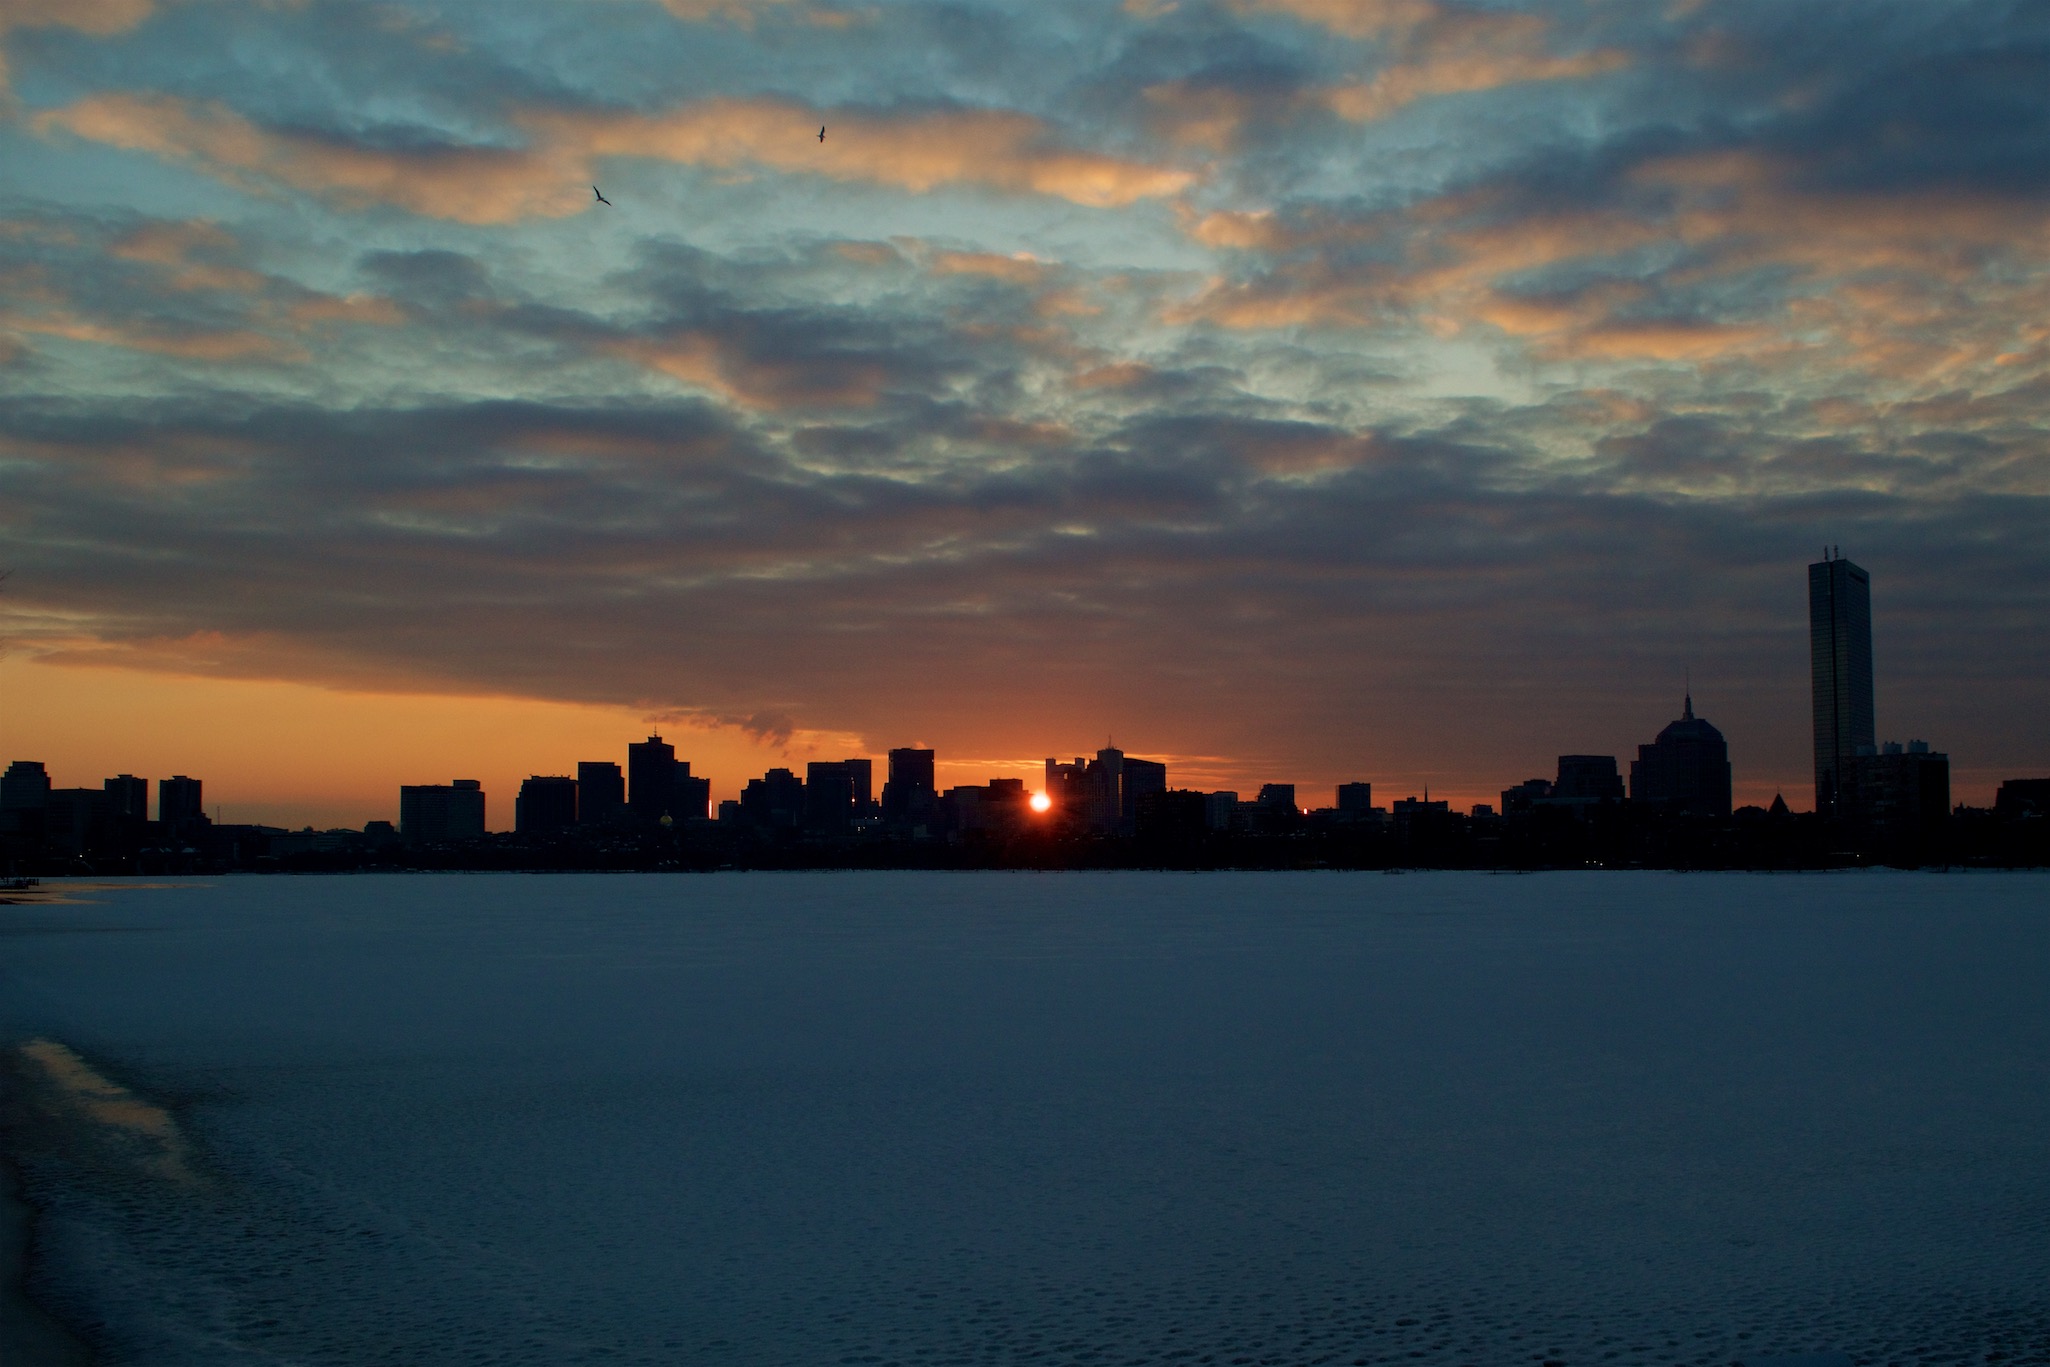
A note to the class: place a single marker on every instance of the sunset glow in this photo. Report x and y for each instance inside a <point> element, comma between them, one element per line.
<point>1300,392</point>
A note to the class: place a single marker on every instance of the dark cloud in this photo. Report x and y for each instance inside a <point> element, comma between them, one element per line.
<point>1436,427</point>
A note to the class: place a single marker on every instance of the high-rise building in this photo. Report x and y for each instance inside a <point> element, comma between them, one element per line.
<point>546,803</point>
<point>693,795</point>
<point>1840,672</point>
<point>909,792</point>
<point>435,813</point>
<point>601,793</point>
<point>651,774</point>
<point>773,802</point>
<point>1143,778</point>
<point>1105,782</point>
<point>1899,796</point>
<point>127,799</point>
<point>179,807</point>
<point>25,787</point>
<point>1686,771</point>
<point>829,795</point>
<point>1067,787</point>
<point>1356,799</point>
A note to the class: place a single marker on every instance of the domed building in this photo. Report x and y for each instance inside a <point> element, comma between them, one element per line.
<point>1686,771</point>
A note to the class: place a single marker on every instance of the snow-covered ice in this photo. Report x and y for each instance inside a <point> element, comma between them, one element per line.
<point>934,1118</point>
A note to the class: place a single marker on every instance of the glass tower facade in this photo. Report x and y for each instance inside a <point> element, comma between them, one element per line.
<point>1840,662</point>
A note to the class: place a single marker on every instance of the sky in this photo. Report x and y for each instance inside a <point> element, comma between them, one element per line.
<point>1291,390</point>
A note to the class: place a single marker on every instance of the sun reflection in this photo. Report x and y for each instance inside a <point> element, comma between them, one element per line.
<point>1041,802</point>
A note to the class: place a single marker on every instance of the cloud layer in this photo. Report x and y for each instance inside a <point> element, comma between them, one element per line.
<point>1299,388</point>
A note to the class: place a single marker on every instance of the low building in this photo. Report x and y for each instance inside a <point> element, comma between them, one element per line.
<point>438,813</point>
<point>547,804</point>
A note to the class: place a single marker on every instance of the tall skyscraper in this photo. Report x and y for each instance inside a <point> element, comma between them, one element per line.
<point>651,775</point>
<point>1840,666</point>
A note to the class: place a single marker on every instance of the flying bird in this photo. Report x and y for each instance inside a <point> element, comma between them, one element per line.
<point>822,132</point>
<point>601,196</point>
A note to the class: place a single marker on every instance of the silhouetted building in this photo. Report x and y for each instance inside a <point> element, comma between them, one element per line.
<point>1525,796</point>
<point>1067,787</point>
<point>127,799</point>
<point>693,796</point>
<point>1275,811</point>
<point>601,793</point>
<point>651,779</point>
<point>2020,797</point>
<point>1221,810</point>
<point>24,794</point>
<point>1585,781</point>
<point>773,802</point>
<point>76,821</point>
<point>1840,668</point>
<point>1104,783</point>
<point>998,806</point>
<point>1142,778</point>
<point>1901,794</point>
<point>179,808</point>
<point>546,803</point>
<point>437,813</point>
<point>1356,800</point>
<point>1174,816</point>
<point>836,793</point>
<point>1686,771</point>
<point>908,792</point>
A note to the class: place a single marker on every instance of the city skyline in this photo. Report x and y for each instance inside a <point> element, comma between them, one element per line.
<point>1295,388</point>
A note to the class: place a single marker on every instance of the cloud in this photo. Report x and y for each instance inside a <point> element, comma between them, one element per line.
<point>468,183</point>
<point>549,176</point>
<point>177,289</point>
<point>1438,49</point>
<point>997,149</point>
<point>97,18</point>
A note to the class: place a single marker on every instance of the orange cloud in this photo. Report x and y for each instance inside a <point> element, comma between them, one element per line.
<point>468,184</point>
<point>172,246</point>
<point>234,345</point>
<point>348,308</point>
<point>1460,53</point>
<point>1021,269</point>
<point>712,362</point>
<point>916,152</point>
<point>473,184</point>
<point>1353,18</point>
<point>1461,73</point>
<point>735,11</point>
<point>100,18</point>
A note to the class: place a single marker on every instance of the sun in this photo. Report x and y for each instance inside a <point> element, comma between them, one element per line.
<point>1041,802</point>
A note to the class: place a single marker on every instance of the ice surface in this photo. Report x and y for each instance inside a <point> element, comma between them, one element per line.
<point>930,1118</point>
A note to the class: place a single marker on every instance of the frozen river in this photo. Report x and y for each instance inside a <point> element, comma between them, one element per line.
<point>1002,1118</point>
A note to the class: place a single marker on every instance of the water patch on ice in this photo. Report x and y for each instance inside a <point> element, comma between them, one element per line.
<point>95,1119</point>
